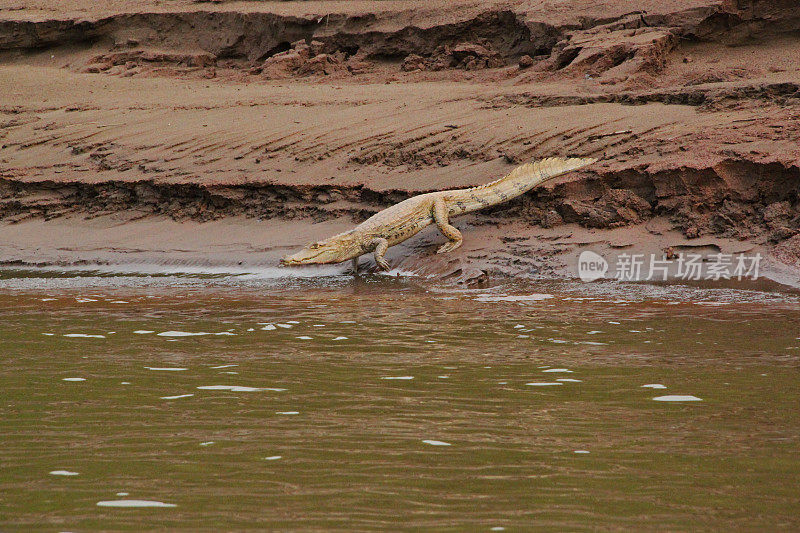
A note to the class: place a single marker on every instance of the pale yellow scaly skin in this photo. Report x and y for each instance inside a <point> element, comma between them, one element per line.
<point>404,220</point>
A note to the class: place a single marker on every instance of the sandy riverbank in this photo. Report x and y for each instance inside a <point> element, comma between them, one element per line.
<point>206,132</point>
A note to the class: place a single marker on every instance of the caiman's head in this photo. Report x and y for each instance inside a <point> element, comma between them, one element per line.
<point>333,250</point>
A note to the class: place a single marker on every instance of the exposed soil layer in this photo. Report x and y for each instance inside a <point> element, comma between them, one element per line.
<point>319,114</point>
<point>614,46</point>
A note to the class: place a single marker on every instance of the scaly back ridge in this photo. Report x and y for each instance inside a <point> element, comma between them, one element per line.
<point>540,171</point>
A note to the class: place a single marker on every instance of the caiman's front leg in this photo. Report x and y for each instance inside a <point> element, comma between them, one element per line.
<point>380,245</point>
<point>450,231</point>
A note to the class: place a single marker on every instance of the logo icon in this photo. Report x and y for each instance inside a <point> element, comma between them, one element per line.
<point>591,266</point>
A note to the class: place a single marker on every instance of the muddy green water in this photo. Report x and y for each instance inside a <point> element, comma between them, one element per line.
<point>380,404</point>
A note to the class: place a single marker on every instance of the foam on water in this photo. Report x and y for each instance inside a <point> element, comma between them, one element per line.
<point>340,338</point>
<point>678,398</point>
<point>166,368</point>
<point>398,377</point>
<point>485,298</point>
<point>557,370</point>
<point>654,386</point>
<point>273,458</point>
<point>570,380</point>
<point>238,388</point>
<point>143,331</point>
<point>543,384</point>
<point>437,443</point>
<point>176,397</point>
<point>397,273</point>
<point>84,336</point>
<point>224,366</point>
<point>62,473</point>
<point>287,412</point>
<point>134,503</point>
<point>173,333</point>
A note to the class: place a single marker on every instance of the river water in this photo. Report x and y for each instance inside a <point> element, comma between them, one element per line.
<point>247,401</point>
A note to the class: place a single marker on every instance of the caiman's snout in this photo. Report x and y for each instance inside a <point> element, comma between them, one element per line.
<point>314,253</point>
<point>334,250</point>
<point>293,260</point>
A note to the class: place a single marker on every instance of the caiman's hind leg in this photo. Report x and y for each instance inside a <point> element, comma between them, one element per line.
<point>380,246</point>
<point>355,266</point>
<point>450,231</point>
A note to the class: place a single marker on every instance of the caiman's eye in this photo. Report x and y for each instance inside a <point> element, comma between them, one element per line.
<point>314,246</point>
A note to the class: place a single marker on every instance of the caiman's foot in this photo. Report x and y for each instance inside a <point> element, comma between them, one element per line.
<point>383,264</point>
<point>448,230</point>
<point>379,247</point>
<point>449,246</point>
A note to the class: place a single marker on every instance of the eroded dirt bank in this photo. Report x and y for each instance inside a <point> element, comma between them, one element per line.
<point>289,120</point>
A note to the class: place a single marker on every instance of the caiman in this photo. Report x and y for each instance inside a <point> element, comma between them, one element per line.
<point>395,224</point>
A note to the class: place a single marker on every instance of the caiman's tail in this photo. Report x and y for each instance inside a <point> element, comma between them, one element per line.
<point>519,181</point>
